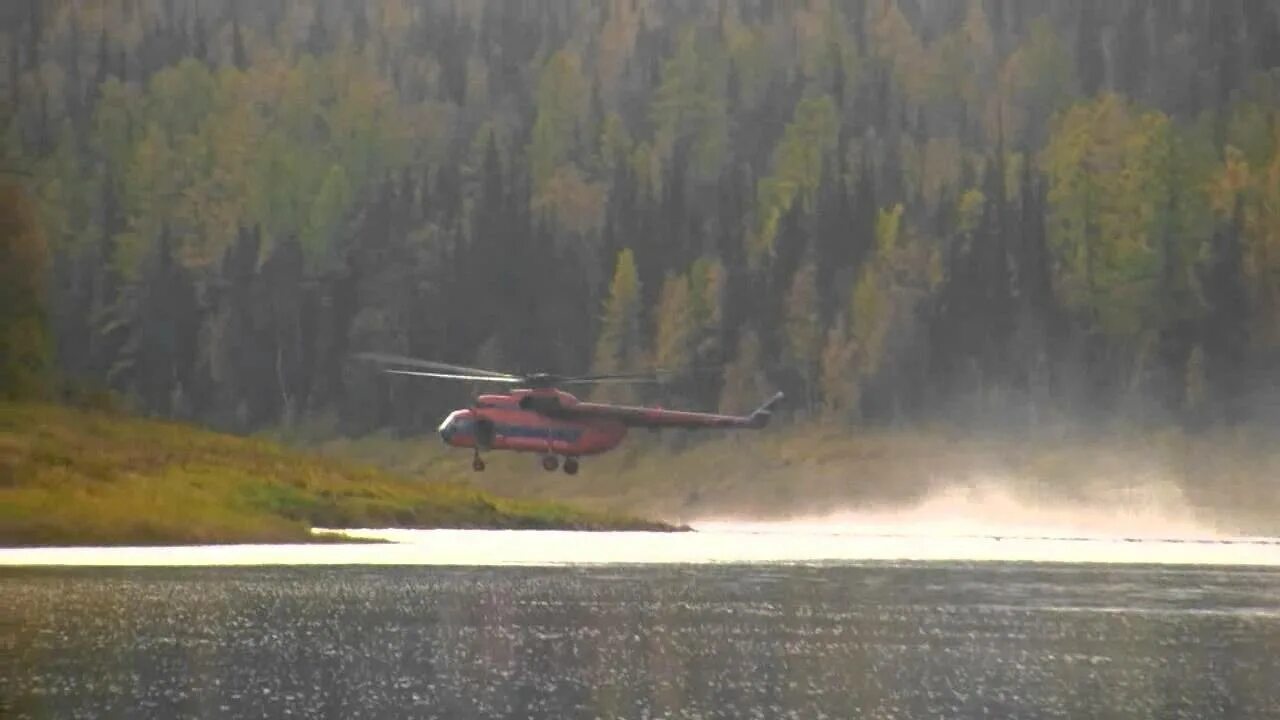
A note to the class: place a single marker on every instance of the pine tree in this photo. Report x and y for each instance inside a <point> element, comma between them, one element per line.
<point>675,331</point>
<point>238,56</point>
<point>24,341</point>
<point>318,41</point>
<point>803,329</point>
<point>1090,64</point>
<point>618,347</point>
<point>75,83</point>
<point>1226,340</point>
<point>744,379</point>
<point>839,377</point>
<point>103,65</point>
<point>199,40</point>
<point>163,342</point>
<point>35,34</point>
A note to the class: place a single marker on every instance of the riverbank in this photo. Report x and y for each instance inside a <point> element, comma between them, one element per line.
<point>77,477</point>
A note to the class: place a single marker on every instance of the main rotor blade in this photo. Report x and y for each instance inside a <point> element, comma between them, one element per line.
<point>454,376</point>
<point>613,380</point>
<point>386,359</point>
<point>657,375</point>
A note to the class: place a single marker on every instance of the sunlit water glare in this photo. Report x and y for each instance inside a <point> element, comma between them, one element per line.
<point>712,542</point>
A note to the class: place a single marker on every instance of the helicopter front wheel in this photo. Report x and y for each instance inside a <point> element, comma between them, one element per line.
<point>571,466</point>
<point>550,463</point>
<point>477,464</point>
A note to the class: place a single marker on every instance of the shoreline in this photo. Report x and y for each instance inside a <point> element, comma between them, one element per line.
<point>541,548</point>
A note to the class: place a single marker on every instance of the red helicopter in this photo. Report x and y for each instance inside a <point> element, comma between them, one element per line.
<point>539,417</point>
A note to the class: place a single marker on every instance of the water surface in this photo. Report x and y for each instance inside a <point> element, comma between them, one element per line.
<point>871,639</point>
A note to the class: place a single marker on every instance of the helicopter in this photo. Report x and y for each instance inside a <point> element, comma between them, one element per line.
<point>537,416</point>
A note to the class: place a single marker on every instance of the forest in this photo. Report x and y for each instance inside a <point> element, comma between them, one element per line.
<point>995,214</point>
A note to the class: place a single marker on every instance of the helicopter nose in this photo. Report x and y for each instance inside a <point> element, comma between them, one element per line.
<point>456,424</point>
<point>448,427</point>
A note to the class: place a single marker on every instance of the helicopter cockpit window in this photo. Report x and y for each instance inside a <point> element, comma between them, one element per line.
<point>459,422</point>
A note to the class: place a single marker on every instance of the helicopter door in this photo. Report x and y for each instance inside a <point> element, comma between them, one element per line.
<point>484,433</point>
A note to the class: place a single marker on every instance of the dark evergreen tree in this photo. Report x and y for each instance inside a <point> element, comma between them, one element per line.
<point>74,83</point>
<point>35,33</point>
<point>1225,333</point>
<point>103,65</point>
<point>318,40</point>
<point>239,57</point>
<point>199,40</point>
<point>1090,63</point>
<point>162,348</point>
<point>1133,51</point>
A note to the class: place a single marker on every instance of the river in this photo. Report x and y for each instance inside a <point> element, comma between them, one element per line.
<point>737,620</point>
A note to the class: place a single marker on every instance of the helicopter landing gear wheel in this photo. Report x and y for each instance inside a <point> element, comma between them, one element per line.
<point>477,464</point>
<point>550,463</point>
<point>570,466</point>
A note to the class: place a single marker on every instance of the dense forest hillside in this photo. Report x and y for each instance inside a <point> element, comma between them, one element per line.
<point>1006,213</point>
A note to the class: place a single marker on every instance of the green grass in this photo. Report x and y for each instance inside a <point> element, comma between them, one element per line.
<point>1227,479</point>
<point>73,477</point>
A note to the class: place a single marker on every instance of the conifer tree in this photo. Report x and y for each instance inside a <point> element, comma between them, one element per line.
<point>839,378</point>
<point>803,329</point>
<point>676,328</point>
<point>24,342</point>
<point>744,379</point>
<point>618,347</point>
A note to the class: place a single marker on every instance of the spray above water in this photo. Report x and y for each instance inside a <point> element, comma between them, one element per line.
<point>993,508</point>
<point>986,521</point>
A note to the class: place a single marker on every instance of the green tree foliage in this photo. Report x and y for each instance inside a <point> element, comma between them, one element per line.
<point>895,43</point>
<point>963,60</point>
<point>615,143</point>
<point>803,327</point>
<point>884,300</point>
<point>1248,181</point>
<point>676,331</point>
<point>871,316</point>
<point>706,291</point>
<point>561,101</point>
<point>575,204</point>
<point>327,212</point>
<point>1036,81</point>
<point>561,192</point>
<point>619,345</point>
<point>689,108</point>
<point>798,161</point>
<point>745,384</point>
<point>889,206</point>
<point>617,42</point>
<point>1107,165</point>
<point>839,378</point>
<point>24,341</point>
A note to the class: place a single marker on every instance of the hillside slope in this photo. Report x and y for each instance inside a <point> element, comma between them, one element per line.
<point>76,477</point>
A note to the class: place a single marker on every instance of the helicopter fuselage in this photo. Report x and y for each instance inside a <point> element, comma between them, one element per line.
<point>526,421</point>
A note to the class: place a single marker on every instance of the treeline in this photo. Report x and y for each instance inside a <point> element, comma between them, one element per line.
<point>999,212</point>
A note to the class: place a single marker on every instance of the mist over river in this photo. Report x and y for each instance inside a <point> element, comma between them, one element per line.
<point>981,523</point>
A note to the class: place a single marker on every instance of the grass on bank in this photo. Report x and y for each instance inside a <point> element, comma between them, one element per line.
<point>74,477</point>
